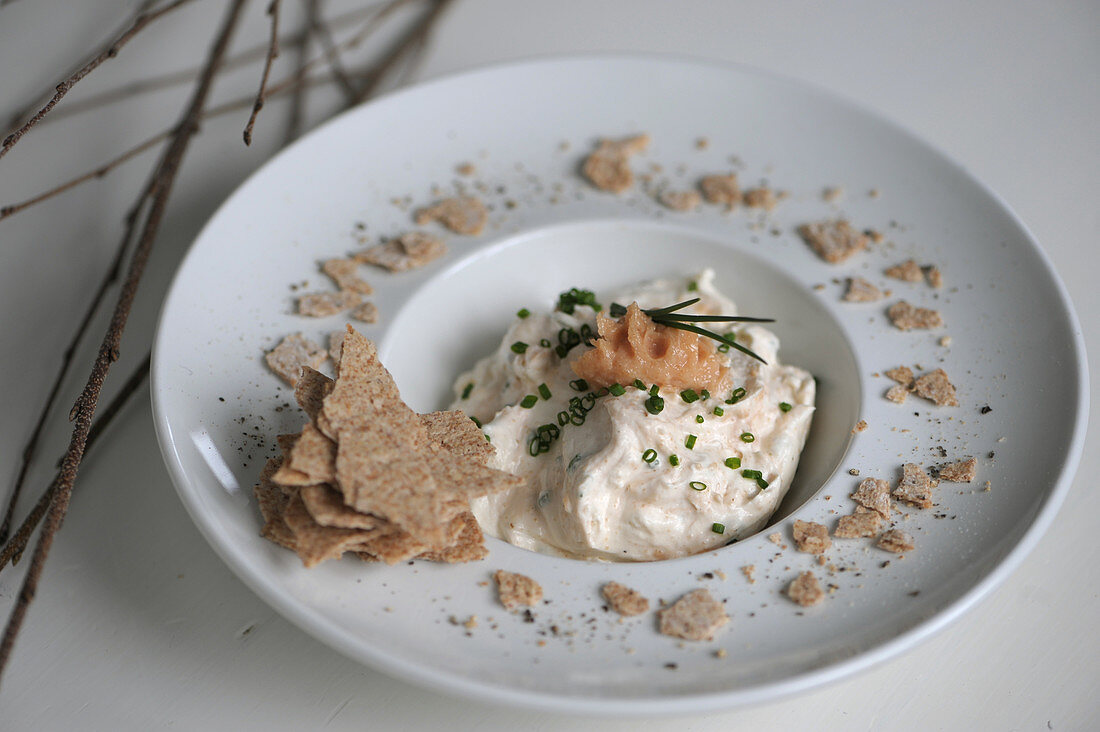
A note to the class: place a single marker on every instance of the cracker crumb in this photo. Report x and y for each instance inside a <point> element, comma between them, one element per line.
<point>875,495</point>
<point>367,313</point>
<point>695,616</point>
<point>896,541</point>
<point>876,236</point>
<point>464,215</point>
<point>777,539</point>
<point>907,271</point>
<point>608,166</point>
<point>834,240</point>
<point>806,590</point>
<point>324,304</point>
<point>762,197</point>
<point>915,486</point>
<point>408,251</point>
<point>721,189</point>
<point>624,600</point>
<point>963,471</point>
<point>720,653</point>
<point>902,374</point>
<point>470,623</point>
<point>897,393</point>
<point>749,570</point>
<point>858,525</point>
<point>702,143</point>
<point>936,386</point>
<point>934,276</point>
<point>832,194</point>
<point>811,537</point>
<point>345,273</point>
<point>907,317</point>
<point>680,200</point>
<point>945,341</point>
<point>292,353</point>
<point>515,589</point>
<point>860,290</point>
<point>466,169</point>
<point>861,425</point>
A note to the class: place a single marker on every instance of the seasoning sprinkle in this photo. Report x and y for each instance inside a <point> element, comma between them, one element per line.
<point>529,401</point>
<point>649,455</point>
<point>733,462</point>
<point>718,528</point>
<point>467,389</point>
<point>747,437</point>
<point>698,485</point>
<point>689,443</point>
<point>616,389</point>
<point>784,407</point>
<point>544,391</point>
<point>519,347</point>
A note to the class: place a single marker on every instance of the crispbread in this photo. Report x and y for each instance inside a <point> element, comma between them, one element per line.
<point>462,215</point>
<point>695,616</point>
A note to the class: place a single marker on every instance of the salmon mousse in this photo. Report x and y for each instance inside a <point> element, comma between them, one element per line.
<point>651,424</point>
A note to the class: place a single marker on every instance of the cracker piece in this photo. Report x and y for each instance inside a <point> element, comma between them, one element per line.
<point>806,590</point>
<point>749,570</point>
<point>315,543</point>
<point>408,251</point>
<point>292,353</point>
<point>366,313</point>
<point>721,189</point>
<point>311,390</point>
<point>326,505</point>
<point>907,317</point>
<point>392,546</point>
<point>915,486</point>
<point>860,290</point>
<point>874,494</point>
<point>336,346</point>
<point>457,433</point>
<point>466,168</point>
<point>608,166</point>
<point>896,540</point>
<point>902,375</point>
<point>907,271</point>
<point>695,616</point>
<point>937,387</point>
<point>934,276</point>
<point>313,455</point>
<point>680,200</point>
<point>858,525</point>
<point>832,194</point>
<point>517,589</point>
<point>624,600</point>
<point>833,240</point>
<point>324,304</point>
<point>963,471</point>
<point>273,503</point>
<point>811,537</point>
<point>345,273</point>
<point>897,394</point>
<point>286,443</point>
<point>462,215</point>
<point>762,197</point>
<point>468,547</point>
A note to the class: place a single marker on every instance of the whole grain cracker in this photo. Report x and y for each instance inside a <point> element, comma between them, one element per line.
<point>365,313</point>
<point>811,537</point>
<point>311,390</point>
<point>805,590</point>
<point>902,374</point>
<point>463,215</point>
<point>858,525</point>
<point>762,197</point>
<point>469,546</point>
<point>406,252</point>
<point>680,200</point>
<point>860,290</point>
<point>345,273</point>
<point>608,166</point>
<point>325,304</point>
<point>313,455</point>
<point>721,189</point>
<point>695,616</point>
<point>874,494</point>
<point>515,589</point>
<point>936,386</point>
<point>834,240</point>
<point>315,543</point>
<point>335,346</point>
<point>292,353</point>
<point>907,317</point>
<point>458,433</point>
<point>897,394</point>
<point>963,471</point>
<point>895,540</point>
<point>273,501</point>
<point>624,600</point>
<point>915,486</point>
<point>326,505</point>
<point>907,271</point>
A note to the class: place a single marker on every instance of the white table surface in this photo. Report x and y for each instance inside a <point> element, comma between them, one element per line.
<point>138,625</point>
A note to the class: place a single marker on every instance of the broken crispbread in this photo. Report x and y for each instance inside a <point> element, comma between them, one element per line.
<point>463,215</point>
<point>624,600</point>
<point>515,589</point>
<point>695,616</point>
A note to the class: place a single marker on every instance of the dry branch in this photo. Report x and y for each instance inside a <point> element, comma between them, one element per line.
<point>272,54</point>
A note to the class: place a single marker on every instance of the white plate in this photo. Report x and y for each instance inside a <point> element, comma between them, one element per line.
<point>1016,347</point>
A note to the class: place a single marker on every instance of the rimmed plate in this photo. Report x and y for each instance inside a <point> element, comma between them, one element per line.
<point>525,127</point>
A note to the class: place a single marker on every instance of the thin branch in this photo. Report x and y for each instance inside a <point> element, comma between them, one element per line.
<point>272,54</point>
<point>112,50</point>
<point>319,28</point>
<point>418,33</point>
<point>14,548</point>
<point>298,99</point>
<point>84,409</point>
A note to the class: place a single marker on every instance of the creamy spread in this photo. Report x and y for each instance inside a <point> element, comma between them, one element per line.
<point>634,471</point>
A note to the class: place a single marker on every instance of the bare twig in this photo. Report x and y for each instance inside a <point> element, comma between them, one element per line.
<point>140,22</point>
<point>13,549</point>
<point>272,54</point>
<point>298,98</point>
<point>319,28</point>
<point>397,51</point>
<point>84,409</point>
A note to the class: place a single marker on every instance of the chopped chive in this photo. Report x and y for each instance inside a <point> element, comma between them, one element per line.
<point>654,390</point>
<point>529,401</point>
<point>784,407</point>
<point>545,343</point>
<point>718,528</point>
<point>692,286</point>
<point>747,437</point>
<point>762,483</point>
<point>698,485</point>
<point>724,348</point>
<point>689,443</point>
<point>563,418</point>
<point>576,419</point>
<point>704,395</point>
<point>561,351</point>
<point>649,455</point>
<point>638,384</point>
<point>588,401</point>
<point>467,389</point>
<point>533,447</point>
<point>544,391</point>
<point>568,301</point>
<point>654,405</point>
<point>476,421</point>
<point>523,313</point>
<point>733,462</point>
<point>718,411</point>
<point>602,391</point>
<point>519,347</point>
<point>487,438</point>
<point>616,310</point>
<point>578,385</point>
<point>737,395</point>
<point>689,396</point>
<point>674,460</point>
<point>699,418</point>
<point>586,334</point>
<point>616,389</point>
<point>751,474</point>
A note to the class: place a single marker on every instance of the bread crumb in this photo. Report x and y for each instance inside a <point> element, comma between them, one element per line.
<point>344,272</point>
<point>963,471</point>
<point>945,341</point>
<point>702,143</point>
<point>811,537</point>
<point>861,425</point>
<point>860,290</point>
<point>749,570</point>
<point>907,271</point>
<point>762,197</point>
<point>721,189</point>
<point>806,590</point>
<point>777,539</point>
<point>695,616</point>
<point>834,240</point>
<point>465,169</point>
<point>624,600</point>
<point>517,589</point>
<point>907,317</point>
<point>720,653</point>
<point>832,194</point>
<point>408,251</point>
<point>608,166</point>
<point>902,374</point>
<point>934,276</point>
<point>680,200</point>
<point>896,541</point>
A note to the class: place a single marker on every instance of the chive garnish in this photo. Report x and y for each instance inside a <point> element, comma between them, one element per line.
<point>737,395</point>
<point>692,286</point>
<point>467,389</point>
<point>529,401</point>
<point>674,460</point>
<point>698,485</point>
<point>689,442</point>
<point>751,474</point>
<point>718,411</point>
<point>654,405</point>
<point>545,343</point>
<point>563,418</point>
<point>649,455</point>
<point>704,395</point>
<point>669,317</point>
<point>762,483</point>
<point>733,462</point>
<point>718,528</point>
<point>544,391</point>
<point>699,418</point>
<point>747,437</point>
<point>724,348</point>
<point>639,385</point>
<point>519,347</point>
<point>523,313</point>
<point>616,389</point>
<point>654,390</point>
<point>476,421</point>
<point>569,300</point>
<point>784,407</point>
<point>689,396</point>
<point>578,385</point>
